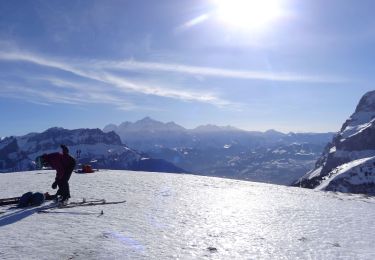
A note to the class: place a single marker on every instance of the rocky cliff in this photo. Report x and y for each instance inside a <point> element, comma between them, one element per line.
<point>351,147</point>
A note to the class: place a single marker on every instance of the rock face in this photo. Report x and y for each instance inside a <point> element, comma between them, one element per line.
<point>352,145</point>
<point>89,146</point>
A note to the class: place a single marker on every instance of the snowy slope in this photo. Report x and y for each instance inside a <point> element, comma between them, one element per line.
<point>356,177</point>
<point>169,216</point>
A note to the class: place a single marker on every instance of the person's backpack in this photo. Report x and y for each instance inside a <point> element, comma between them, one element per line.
<point>25,199</point>
<point>37,199</point>
<point>31,199</point>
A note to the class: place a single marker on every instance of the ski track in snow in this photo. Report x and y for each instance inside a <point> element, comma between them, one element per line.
<point>170,216</point>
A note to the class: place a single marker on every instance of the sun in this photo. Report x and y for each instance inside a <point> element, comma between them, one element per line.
<point>248,14</point>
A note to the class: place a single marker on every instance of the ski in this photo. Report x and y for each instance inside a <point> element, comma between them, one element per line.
<point>87,201</point>
<point>9,201</point>
<point>93,203</point>
<point>79,204</point>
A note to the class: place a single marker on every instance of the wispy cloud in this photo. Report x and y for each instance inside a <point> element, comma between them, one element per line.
<point>193,22</point>
<point>37,95</point>
<point>91,70</point>
<point>98,81</point>
<point>216,72</point>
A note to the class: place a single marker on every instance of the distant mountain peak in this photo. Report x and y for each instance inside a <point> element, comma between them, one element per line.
<point>110,127</point>
<point>215,128</point>
<point>148,119</point>
<point>54,129</point>
<point>171,123</point>
<point>273,132</point>
<point>125,124</point>
<point>153,124</point>
<point>146,124</point>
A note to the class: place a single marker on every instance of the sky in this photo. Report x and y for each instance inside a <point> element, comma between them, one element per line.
<point>288,65</point>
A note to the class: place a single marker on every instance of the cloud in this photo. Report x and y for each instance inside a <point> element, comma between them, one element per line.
<point>37,96</point>
<point>91,71</point>
<point>216,72</point>
<point>193,22</point>
<point>98,81</point>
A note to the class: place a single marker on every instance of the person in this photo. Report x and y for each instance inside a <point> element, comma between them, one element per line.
<point>64,165</point>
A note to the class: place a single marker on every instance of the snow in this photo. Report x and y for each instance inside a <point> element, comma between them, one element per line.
<point>314,173</point>
<point>305,154</point>
<point>357,123</point>
<point>279,151</point>
<point>170,216</point>
<point>356,172</point>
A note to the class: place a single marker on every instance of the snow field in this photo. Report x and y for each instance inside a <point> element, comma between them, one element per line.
<point>170,216</point>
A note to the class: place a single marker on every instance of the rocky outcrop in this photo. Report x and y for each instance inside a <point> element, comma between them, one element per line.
<point>355,141</point>
<point>11,157</point>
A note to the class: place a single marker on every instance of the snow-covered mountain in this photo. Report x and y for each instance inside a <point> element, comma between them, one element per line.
<point>214,128</point>
<point>146,133</point>
<point>93,146</point>
<point>211,150</point>
<point>279,164</point>
<point>178,216</point>
<point>347,163</point>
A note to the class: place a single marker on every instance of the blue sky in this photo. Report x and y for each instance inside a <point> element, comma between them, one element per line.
<point>89,63</point>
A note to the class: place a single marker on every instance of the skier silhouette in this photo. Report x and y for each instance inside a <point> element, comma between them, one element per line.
<point>64,165</point>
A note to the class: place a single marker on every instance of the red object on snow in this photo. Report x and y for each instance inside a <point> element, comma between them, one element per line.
<point>87,168</point>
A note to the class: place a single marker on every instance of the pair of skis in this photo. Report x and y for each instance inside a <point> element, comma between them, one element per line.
<point>48,197</point>
<point>9,201</point>
<point>83,203</point>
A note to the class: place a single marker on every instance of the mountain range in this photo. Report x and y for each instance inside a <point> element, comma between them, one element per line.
<point>230,152</point>
<point>89,146</point>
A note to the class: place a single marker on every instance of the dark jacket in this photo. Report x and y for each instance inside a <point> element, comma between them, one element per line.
<point>63,164</point>
<point>69,164</point>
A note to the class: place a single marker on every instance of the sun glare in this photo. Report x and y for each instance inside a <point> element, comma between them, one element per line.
<point>248,14</point>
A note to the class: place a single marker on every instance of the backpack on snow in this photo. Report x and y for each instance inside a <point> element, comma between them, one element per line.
<point>31,199</point>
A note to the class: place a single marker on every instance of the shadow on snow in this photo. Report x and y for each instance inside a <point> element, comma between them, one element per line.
<point>15,216</point>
